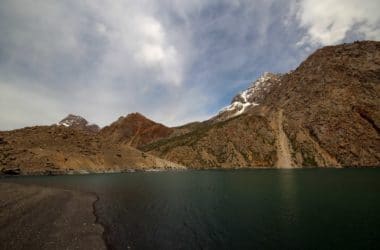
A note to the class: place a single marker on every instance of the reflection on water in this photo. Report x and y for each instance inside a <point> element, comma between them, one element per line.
<point>248,209</point>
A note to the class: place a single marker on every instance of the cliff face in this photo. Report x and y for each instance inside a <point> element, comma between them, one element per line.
<point>326,113</point>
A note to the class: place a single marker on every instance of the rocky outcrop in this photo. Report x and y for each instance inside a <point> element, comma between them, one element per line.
<point>10,170</point>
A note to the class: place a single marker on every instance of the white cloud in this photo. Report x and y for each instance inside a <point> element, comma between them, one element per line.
<point>172,60</point>
<point>329,21</point>
<point>154,51</point>
<point>136,37</point>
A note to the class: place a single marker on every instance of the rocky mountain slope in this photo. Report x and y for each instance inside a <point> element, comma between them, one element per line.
<point>135,130</point>
<point>250,97</point>
<point>326,113</point>
<point>242,141</point>
<point>60,149</point>
<point>331,107</point>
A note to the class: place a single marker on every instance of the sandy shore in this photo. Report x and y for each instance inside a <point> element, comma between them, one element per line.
<point>34,217</point>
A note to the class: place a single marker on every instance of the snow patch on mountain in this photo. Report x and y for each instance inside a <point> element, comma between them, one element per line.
<point>77,122</point>
<point>250,97</point>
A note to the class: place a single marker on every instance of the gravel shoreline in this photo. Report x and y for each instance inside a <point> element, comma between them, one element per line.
<point>37,217</point>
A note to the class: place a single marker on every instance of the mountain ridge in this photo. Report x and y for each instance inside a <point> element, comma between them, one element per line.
<point>250,97</point>
<point>135,130</point>
<point>325,113</point>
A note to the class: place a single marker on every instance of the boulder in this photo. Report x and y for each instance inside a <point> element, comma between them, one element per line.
<point>11,171</point>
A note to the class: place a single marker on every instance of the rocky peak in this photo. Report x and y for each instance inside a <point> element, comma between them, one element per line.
<point>135,130</point>
<point>136,115</point>
<point>250,97</point>
<point>73,120</point>
<point>78,122</point>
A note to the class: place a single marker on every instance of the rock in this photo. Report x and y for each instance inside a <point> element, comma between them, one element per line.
<point>11,171</point>
<point>3,141</point>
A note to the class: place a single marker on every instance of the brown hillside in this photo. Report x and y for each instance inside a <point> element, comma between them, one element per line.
<point>58,149</point>
<point>135,130</point>
<point>247,140</point>
<point>331,106</point>
<point>326,113</point>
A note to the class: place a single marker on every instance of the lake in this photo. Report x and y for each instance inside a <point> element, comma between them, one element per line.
<point>237,209</point>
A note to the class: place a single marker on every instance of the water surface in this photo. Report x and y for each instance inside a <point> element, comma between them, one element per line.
<point>246,209</point>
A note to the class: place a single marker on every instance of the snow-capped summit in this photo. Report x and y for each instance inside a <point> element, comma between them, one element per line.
<point>78,122</point>
<point>250,97</point>
<point>73,120</point>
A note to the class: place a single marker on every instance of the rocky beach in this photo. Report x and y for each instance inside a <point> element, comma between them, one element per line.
<point>40,217</point>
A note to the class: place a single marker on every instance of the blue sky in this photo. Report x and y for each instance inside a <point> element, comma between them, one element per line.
<point>174,61</point>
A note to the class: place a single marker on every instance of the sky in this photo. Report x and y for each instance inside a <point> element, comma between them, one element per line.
<point>175,61</point>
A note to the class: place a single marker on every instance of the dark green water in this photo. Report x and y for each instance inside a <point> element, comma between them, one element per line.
<point>248,209</point>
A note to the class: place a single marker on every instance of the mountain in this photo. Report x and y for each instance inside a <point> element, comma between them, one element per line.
<point>326,113</point>
<point>135,130</point>
<point>331,107</point>
<point>61,150</point>
<point>242,141</point>
<point>78,122</point>
<point>250,97</point>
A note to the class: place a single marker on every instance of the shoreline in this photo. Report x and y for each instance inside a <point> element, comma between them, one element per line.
<point>97,221</point>
<point>83,172</point>
<point>71,173</point>
<point>40,217</point>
